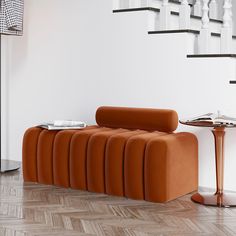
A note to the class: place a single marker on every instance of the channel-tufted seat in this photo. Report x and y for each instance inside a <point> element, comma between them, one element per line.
<point>131,152</point>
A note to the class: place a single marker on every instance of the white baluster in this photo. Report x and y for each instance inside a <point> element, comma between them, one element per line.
<point>213,10</point>
<point>124,4</point>
<point>205,14</point>
<point>204,37</point>
<point>116,4</point>
<point>197,9</point>
<point>144,3</point>
<point>133,3</point>
<point>152,20</point>
<point>184,15</point>
<point>165,15</point>
<point>226,31</point>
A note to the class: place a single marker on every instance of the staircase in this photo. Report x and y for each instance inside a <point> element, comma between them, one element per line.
<point>208,22</point>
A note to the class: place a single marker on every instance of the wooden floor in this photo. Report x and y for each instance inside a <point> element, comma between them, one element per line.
<point>32,209</point>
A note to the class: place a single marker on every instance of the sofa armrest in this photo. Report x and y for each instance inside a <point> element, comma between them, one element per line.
<point>171,166</point>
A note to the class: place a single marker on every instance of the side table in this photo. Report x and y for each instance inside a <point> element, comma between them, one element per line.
<point>219,198</point>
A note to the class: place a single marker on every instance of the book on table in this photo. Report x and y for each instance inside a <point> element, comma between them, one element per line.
<point>212,118</point>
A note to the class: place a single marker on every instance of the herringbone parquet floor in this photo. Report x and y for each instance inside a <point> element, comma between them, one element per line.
<point>28,209</point>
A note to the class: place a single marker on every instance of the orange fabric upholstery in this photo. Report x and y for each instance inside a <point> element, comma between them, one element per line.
<point>114,162</point>
<point>45,156</point>
<point>170,167</point>
<point>61,153</point>
<point>78,157</point>
<point>29,154</point>
<point>137,118</point>
<point>133,164</point>
<point>95,160</point>
<point>132,152</point>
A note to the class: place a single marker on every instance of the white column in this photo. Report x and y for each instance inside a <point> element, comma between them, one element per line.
<point>197,9</point>
<point>226,31</point>
<point>204,37</point>
<point>213,10</point>
<point>184,15</point>
<point>165,15</point>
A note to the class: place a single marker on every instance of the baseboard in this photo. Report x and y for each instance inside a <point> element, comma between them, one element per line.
<point>207,189</point>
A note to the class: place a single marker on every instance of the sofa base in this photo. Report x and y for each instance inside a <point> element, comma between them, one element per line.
<point>153,166</point>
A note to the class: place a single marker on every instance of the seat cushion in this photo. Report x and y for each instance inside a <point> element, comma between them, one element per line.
<point>29,154</point>
<point>78,156</point>
<point>171,166</point>
<point>61,153</point>
<point>96,159</point>
<point>134,164</point>
<point>45,156</point>
<point>114,161</point>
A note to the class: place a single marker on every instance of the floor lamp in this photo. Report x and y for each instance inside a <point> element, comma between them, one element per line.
<point>5,165</point>
<point>11,23</point>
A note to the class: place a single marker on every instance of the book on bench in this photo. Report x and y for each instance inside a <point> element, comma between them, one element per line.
<point>63,125</point>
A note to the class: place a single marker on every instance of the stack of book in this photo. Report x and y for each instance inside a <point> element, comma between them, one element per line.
<point>212,118</point>
<point>63,124</point>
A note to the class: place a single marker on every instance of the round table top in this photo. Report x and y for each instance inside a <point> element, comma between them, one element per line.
<point>207,124</point>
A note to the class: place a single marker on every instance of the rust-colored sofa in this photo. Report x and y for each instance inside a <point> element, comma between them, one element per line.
<point>131,152</point>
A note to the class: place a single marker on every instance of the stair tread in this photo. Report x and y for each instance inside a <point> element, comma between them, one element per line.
<point>177,2</point>
<point>197,17</point>
<point>137,9</point>
<point>211,55</point>
<point>158,10</point>
<point>174,31</point>
<point>185,31</point>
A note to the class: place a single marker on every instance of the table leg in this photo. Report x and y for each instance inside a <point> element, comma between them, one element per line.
<point>219,135</point>
<point>219,198</point>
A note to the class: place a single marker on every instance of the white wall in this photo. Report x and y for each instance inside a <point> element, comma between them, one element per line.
<point>76,55</point>
<point>234,16</point>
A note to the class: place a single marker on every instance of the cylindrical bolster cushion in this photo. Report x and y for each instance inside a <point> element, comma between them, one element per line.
<point>137,118</point>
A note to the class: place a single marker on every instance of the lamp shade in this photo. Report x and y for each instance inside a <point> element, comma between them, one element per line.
<point>11,17</point>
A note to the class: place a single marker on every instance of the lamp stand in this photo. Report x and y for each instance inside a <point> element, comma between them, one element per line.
<point>5,165</point>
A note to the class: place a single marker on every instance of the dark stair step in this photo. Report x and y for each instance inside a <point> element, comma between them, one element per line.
<point>158,10</point>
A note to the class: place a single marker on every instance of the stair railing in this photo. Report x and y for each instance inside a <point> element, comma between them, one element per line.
<point>204,37</point>
<point>120,4</point>
<point>134,3</point>
<point>226,30</point>
<point>197,8</point>
<point>165,15</point>
<point>116,4</point>
<point>144,3</point>
<point>184,15</point>
<point>213,13</point>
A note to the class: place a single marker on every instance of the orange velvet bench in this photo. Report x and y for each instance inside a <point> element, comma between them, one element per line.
<point>131,152</point>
